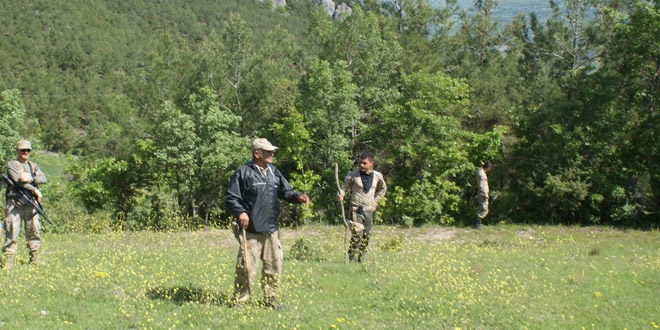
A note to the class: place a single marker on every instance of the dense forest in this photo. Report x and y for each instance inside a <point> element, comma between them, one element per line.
<point>156,103</point>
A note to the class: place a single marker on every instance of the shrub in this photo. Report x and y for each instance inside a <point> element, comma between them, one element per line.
<point>305,249</point>
<point>391,244</point>
<point>430,200</point>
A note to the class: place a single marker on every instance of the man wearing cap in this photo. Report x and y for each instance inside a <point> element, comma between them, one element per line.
<point>253,197</point>
<point>367,187</point>
<point>26,175</point>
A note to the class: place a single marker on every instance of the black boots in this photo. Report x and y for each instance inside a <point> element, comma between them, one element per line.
<point>274,304</point>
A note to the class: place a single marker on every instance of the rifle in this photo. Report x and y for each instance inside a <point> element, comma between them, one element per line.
<point>23,196</point>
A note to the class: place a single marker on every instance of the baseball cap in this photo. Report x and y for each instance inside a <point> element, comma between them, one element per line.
<point>263,144</point>
<point>23,144</point>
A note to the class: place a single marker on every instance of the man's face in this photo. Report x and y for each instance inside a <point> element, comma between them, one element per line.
<point>366,165</point>
<point>23,154</point>
<point>264,155</point>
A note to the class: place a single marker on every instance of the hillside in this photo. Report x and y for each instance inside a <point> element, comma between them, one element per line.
<point>160,99</point>
<point>79,63</point>
<point>506,10</point>
<point>73,60</point>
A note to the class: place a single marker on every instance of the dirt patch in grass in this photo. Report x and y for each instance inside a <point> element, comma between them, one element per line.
<point>438,234</point>
<point>528,233</point>
<point>431,234</point>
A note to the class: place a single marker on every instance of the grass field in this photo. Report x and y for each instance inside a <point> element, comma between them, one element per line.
<point>503,277</point>
<point>51,164</point>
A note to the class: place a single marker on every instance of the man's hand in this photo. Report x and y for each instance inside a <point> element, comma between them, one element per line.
<point>243,220</point>
<point>340,198</point>
<point>25,177</point>
<point>303,199</point>
<point>37,193</point>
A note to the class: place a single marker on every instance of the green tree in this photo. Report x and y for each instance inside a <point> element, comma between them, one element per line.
<point>421,26</point>
<point>323,126</point>
<point>174,179</point>
<point>420,17</point>
<point>634,53</point>
<point>570,162</point>
<point>370,48</point>
<point>331,113</point>
<point>481,53</point>
<point>13,123</point>
<point>198,147</point>
<point>237,40</point>
<point>424,150</point>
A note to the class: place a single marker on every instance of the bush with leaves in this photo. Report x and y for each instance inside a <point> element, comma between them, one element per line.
<point>305,249</point>
<point>13,123</point>
<point>431,200</point>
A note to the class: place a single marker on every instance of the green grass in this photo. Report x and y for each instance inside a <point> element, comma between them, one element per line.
<point>503,277</point>
<point>53,165</point>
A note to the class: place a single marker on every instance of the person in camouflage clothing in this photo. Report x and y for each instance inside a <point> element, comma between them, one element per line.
<point>367,187</point>
<point>483,193</point>
<point>28,176</point>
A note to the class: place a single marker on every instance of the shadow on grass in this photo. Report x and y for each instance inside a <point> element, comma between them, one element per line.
<point>182,295</point>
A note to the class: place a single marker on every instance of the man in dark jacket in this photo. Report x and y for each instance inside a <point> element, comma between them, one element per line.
<point>253,198</point>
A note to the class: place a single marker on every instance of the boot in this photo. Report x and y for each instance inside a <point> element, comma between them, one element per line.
<point>273,303</point>
<point>478,224</point>
<point>9,261</point>
<point>34,258</point>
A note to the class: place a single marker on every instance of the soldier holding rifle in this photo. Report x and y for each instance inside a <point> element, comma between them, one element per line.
<point>27,176</point>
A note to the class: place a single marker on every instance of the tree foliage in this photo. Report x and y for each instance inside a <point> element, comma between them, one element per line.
<point>162,101</point>
<point>13,123</point>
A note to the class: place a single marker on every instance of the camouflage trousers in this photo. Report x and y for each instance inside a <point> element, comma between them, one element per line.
<point>266,247</point>
<point>482,207</point>
<point>14,215</point>
<point>360,239</point>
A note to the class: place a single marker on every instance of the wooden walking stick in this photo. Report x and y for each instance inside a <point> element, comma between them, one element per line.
<point>245,262</point>
<point>343,215</point>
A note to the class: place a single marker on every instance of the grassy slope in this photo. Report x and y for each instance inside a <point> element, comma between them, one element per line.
<point>501,277</point>
<point>51,164</point>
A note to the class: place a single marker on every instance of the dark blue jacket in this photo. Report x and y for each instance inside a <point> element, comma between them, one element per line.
<point>258,195</point>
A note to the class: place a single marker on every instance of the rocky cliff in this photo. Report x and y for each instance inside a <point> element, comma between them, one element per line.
<point>330,7</point>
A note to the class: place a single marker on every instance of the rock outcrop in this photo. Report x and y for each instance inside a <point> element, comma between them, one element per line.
<point>333,10</point>
<point>277,3</point>
<point>327,5</point>
<point>341,9</point>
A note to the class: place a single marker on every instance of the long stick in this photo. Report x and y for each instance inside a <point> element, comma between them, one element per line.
<point>343,215</point>
<point>245,261</point>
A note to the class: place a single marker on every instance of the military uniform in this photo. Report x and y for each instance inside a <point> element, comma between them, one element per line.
<point>363,201</point>
<point>482,195</point>
<point>15,212</point>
